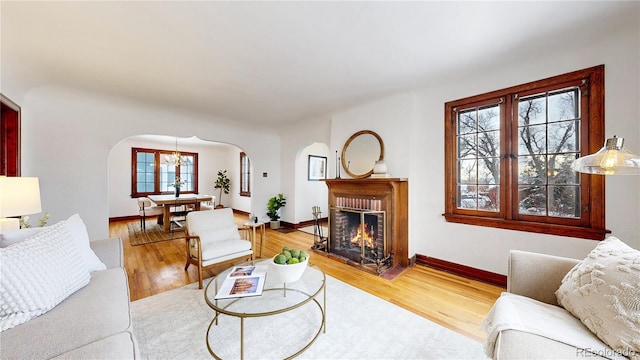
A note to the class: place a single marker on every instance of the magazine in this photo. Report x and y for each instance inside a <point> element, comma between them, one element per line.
<point>242,281</point>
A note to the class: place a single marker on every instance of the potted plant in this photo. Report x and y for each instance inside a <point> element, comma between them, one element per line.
<point>177,183</point>
<point>222,184</point>
<point>273,207</point>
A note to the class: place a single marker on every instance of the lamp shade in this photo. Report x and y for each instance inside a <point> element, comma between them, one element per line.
<point>612,159</point>
<point>19,196</point>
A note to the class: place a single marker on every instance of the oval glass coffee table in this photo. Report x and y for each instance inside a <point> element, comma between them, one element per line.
<point>282,322</point>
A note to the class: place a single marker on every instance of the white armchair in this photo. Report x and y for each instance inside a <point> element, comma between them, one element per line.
<point>212,237</point>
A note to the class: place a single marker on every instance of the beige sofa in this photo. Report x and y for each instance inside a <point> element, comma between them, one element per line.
<point>538,276</point>
<point>92,323</point>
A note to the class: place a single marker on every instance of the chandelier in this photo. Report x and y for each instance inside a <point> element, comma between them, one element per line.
<point>176,159</point>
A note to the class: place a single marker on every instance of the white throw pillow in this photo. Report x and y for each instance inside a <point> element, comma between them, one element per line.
<point>10,237</point>
<point>603,291</point>
<point>81,237</point>
<point>38,273</point>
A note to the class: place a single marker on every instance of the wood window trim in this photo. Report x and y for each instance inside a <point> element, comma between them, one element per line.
<point>157,153</point>
<point>593,215</point>
<point>245,193</point>
<point>10,137</point>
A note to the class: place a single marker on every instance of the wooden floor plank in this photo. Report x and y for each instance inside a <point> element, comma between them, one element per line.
<point>454,302</point>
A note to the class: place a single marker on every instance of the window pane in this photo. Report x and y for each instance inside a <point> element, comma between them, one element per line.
<point>564,201</point>
<point>467,122</point>
<point>489,144</point>
<point>467,198</point>
<point>144,171</point>
<point>563,137</point>
<point>532,140</point>
<point>489,171</point>
<point>478,156</point>
<point>532,110</point>
<point>560,169</point>
<point>489,118</point>
<point>467,172</point>
<point>532,170</point>
<point>546,151</point>
<point>467,146</point>
<point>563,105</point>
<point>533,200</point>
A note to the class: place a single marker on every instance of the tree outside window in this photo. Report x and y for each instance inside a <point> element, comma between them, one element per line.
<point>509,152</point>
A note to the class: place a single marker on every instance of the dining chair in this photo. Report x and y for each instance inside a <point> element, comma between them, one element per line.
<point>180,211</point>
<point>145,209</point>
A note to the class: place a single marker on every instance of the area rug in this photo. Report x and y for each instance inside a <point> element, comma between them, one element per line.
<point>173,325</point>
<point>153,234</point>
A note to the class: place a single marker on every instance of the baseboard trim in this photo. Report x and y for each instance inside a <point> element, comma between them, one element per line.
<point>462,270</point>
<point>124,218</point>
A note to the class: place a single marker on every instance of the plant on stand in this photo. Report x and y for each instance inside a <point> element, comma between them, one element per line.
<point>222,184</point>
<point>177,183</point>
<point>273,210</point>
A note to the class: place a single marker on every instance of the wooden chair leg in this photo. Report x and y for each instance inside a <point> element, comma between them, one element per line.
<point>200,276</point>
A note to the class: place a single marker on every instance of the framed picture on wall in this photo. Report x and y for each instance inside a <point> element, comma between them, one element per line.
<point>317,168</point>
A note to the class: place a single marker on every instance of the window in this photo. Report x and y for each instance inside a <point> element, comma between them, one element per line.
<point>508,156</point>
<point>153,173</point>
<point>245,175</point>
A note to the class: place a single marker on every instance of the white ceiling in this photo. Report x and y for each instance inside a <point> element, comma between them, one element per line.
<point>277,62</point>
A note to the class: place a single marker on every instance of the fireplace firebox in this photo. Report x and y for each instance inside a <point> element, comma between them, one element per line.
<point>359,235</point>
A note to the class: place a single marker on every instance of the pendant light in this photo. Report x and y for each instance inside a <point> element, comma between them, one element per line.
<point>612,159</point>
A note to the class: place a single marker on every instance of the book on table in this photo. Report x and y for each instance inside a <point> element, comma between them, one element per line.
<point>242,281</point>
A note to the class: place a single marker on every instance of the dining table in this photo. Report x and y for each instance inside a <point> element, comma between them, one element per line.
<point>169,200</point>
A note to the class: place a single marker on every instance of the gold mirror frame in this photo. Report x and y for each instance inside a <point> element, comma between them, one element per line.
<point>345,161</point>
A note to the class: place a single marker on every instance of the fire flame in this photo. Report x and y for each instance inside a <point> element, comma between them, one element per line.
<point>364,236</point>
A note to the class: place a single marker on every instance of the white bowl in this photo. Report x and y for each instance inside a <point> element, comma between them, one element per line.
<point>288,273</point>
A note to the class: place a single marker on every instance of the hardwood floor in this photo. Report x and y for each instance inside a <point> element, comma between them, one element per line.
<point>454,302</point>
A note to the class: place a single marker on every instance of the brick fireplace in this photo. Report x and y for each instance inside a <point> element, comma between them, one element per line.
<point>368,223</point>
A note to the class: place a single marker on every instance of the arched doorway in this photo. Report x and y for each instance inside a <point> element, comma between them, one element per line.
<point>212,157</point>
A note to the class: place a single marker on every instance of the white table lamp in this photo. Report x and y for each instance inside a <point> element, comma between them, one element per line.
<point>18,196</point>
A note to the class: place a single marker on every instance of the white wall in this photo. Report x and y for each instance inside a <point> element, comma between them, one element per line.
<point>310,193</point>
<point>412,128</point>
<point>67,137</point>
<point>295,138</point>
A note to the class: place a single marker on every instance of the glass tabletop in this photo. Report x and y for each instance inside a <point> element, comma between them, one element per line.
<point>276,297</point>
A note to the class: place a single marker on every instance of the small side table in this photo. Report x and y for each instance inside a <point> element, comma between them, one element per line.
<point>253,226</point>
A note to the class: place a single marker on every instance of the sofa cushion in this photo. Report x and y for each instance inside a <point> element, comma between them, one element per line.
<point>223,248</point>
<point>38,273</point>
<point>603,291</point>
<point>97,311</point>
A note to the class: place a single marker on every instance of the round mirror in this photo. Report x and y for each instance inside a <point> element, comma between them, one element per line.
<point>361,152</point>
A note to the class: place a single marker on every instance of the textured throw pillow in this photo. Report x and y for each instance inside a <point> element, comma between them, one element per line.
<point>81,237</point>
<point>603,291</point>
<point>38,273</point>
<point>10,237</point>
